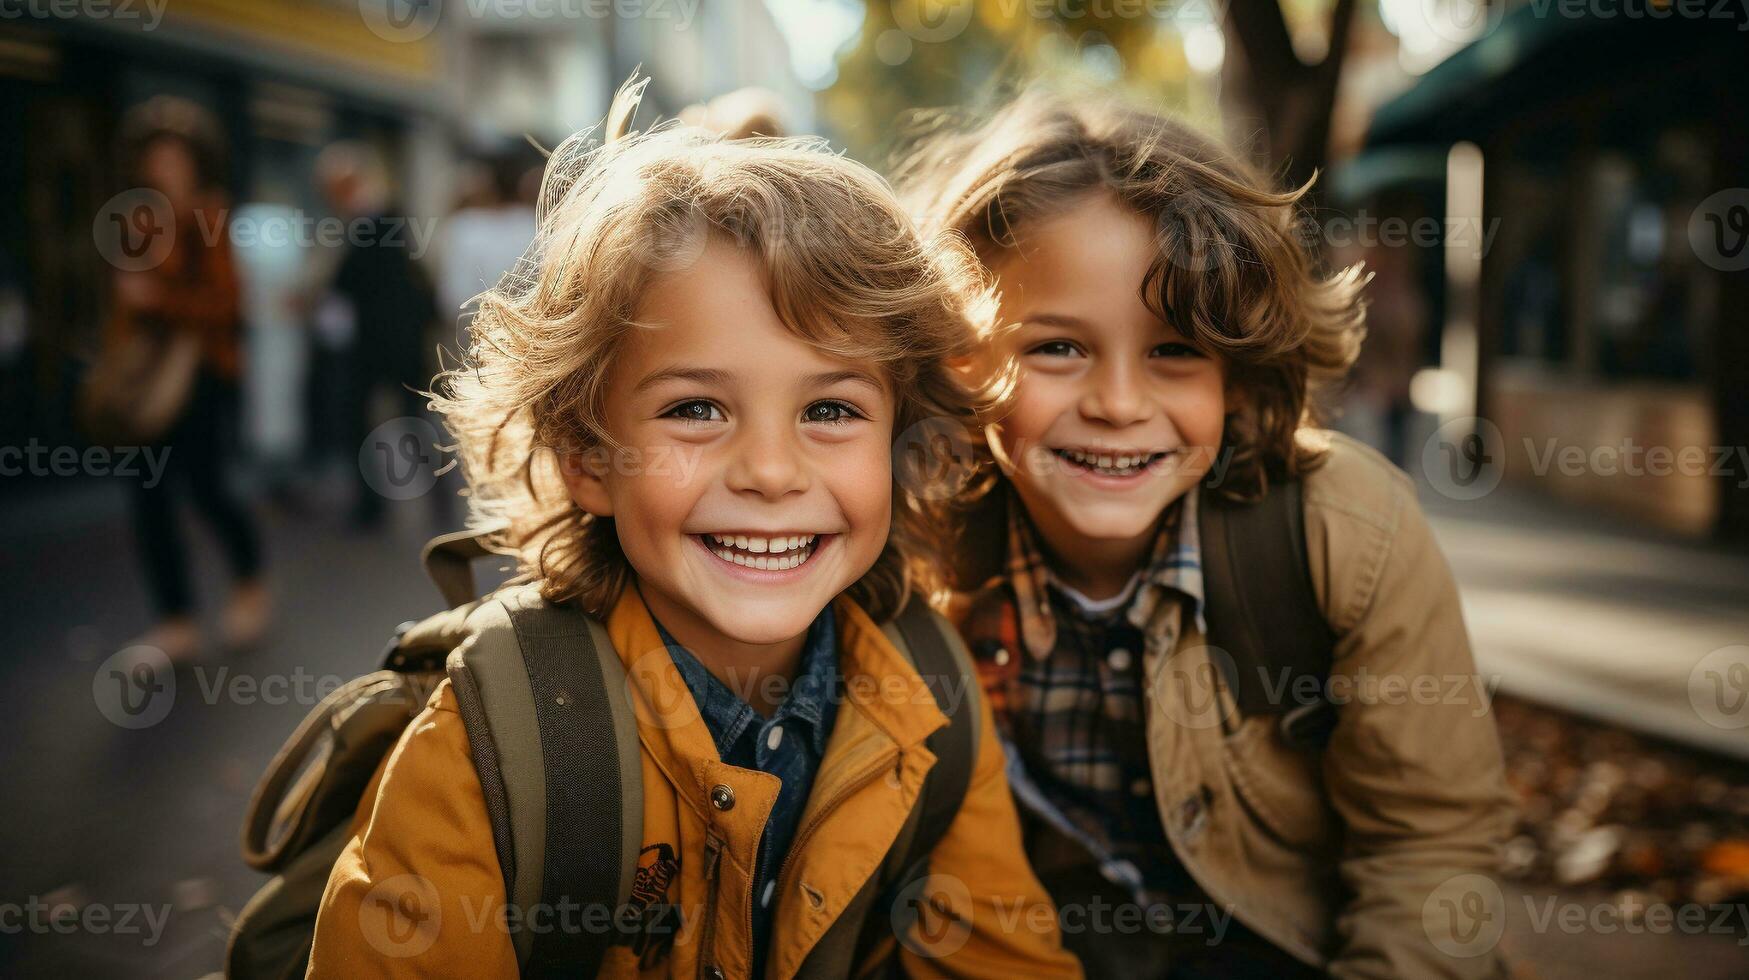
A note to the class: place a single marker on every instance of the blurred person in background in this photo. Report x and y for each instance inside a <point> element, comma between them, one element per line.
<point>375,309</point>
<point>486,234</point>
<point>741,114</point>
<point>1378,409</point>
<point>174,147</point>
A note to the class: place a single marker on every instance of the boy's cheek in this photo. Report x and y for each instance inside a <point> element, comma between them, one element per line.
<point>862,482</point>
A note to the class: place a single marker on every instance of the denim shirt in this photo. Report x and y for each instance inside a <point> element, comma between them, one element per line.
<point>788,745</point>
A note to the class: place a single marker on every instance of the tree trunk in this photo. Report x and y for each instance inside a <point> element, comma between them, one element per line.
<point>1294,100</point>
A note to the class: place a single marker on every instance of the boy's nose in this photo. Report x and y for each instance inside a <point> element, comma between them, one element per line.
<point>1116,396</point>
<point>768,462</point>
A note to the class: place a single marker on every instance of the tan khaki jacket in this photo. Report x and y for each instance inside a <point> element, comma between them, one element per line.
<point>1360,858</point>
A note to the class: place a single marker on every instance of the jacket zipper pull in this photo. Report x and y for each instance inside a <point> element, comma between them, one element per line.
<point>713,853</point>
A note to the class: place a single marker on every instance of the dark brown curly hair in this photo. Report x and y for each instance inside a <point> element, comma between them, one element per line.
<point>1234,273</point>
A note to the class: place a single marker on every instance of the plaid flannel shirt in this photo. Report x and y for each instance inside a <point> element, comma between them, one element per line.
<point>1077,717</point>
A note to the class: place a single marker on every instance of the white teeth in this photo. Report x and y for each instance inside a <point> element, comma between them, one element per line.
<point>770,554</point>
<point>1123,465</point>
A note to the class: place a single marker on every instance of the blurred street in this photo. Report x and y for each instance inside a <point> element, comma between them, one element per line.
<point>1581,611</point>
<point>103,814</point>
<point>106,816</point>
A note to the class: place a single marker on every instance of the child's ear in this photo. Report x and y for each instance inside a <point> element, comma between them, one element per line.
<point>584,473</point>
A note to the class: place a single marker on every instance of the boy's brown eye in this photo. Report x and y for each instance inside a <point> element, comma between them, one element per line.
<point>1175,349</point>
<point>1055,348</point>
<point>829,412</point>
<point>694,411</point>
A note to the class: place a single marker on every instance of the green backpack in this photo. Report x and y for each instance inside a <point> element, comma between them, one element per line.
<point>532,680</point>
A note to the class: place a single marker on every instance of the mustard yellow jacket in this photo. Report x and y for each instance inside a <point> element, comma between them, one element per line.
<point>418,890</point>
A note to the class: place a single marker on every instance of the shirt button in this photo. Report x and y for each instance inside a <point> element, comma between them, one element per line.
<point>1119,659</point>
<point>774,738</point>
<point>1001,656</point>
<point>1141,787</point>
<point>723,796</point>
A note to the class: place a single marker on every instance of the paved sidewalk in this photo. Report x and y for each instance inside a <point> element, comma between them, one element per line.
<point>1593,615</point>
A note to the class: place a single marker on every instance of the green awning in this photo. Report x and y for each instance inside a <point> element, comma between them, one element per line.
<point>1538,56</point>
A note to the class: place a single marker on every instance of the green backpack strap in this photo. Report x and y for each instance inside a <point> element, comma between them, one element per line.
<point>940,657</point>
<point>1262,610</point>
<point>542,692</point>
<point>934,647</point>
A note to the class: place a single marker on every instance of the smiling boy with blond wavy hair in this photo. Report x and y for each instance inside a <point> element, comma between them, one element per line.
<point>680,414</point>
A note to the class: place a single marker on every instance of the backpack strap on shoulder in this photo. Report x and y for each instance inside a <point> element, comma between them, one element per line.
<point>448,560</point>
<point>1263,612</point>
<point>542,693</point>
<point>935,649</point>
<point>932,646</point>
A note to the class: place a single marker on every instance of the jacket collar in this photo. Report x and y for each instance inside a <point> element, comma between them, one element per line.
<point>890,703</point>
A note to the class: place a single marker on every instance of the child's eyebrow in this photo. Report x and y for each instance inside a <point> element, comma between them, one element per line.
<point>826,378</point>
<point>723,379</point>
<point>1053,320</point>
<point>702,376</point>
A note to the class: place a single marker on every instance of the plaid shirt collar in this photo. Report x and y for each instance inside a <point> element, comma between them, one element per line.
<point>1174,569</point>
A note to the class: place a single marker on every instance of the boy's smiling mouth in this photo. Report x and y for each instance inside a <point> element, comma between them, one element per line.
<point>1119,464</point>
<point>763,552</point>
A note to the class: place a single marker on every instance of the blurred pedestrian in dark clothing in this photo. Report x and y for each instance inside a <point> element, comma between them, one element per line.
<point>381,298</point>
<point>175,148</point>
<point>1379,409</point>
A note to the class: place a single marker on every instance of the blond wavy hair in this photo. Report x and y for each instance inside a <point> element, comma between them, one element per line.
<point>1234,273</point>
<point>848,274</point>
